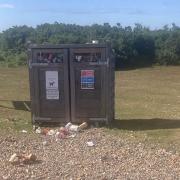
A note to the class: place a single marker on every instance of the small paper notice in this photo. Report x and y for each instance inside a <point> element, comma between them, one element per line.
<point>52,89</point>
<point>87,79</point>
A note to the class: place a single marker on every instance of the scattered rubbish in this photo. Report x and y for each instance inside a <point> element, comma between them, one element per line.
<point>72,136</point>
<point>64,130</point>
<point>28,158</point>
<point>69,131</point>
<point>34,127</point>
<point>45,131</point>
<point>62,135</point>
<point>74,128</point>
<point>57,136</point>
<point>24,131</point>
<point>38,130</point>
<point>82,126</point>
<point>14,159</point>
<point>68,125</point>
<point>51,132</point>
<point>90,144</point>
<point>45,143</point>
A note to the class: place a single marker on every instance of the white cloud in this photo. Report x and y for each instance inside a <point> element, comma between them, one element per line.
<point>7,6</point>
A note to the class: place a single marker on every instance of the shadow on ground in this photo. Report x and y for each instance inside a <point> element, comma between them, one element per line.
<point>18,105</point>
<point>145,124</point>
<point>129,68</point>
<point>124,124</point>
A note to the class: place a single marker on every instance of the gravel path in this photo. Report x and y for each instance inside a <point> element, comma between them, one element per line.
<point>112,157</point>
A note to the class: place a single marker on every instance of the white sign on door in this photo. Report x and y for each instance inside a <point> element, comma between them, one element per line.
<point>52,89</point>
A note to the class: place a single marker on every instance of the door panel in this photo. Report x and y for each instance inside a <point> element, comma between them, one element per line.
<point>88,101</point>
<point>52,85</point>
<point>87,81</point>
<point>52,107</point>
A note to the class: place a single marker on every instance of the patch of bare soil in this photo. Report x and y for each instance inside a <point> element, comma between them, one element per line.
<point>110,157</point>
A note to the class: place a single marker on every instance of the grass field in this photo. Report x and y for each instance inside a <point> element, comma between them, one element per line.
<point>147,103</point>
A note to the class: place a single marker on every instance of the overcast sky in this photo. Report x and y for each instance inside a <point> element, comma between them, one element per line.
<point>151,13</point>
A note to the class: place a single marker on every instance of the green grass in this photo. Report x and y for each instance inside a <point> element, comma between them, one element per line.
<point>14,90</point>
<point>147,103</point>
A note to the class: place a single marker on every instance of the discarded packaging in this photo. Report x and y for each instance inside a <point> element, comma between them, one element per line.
<point>72,136</point>
<point>38,130</point>
<point>51,132</point>
<point>90,144</point>
<point>44,143</point>
<point>68,125</point>
<point>24,131</point>
<point>82,126</point>
<point>69,131</point>
<point>34,127</point>
<point>62,135</point>
<point>64,130</point>
<point>30,157</point>
<point>14,158</point>
<point>74,128</point>
<point>57,134</point>
<point>45,131</point>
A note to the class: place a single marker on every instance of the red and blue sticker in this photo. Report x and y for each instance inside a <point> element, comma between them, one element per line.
<point>87,79</point>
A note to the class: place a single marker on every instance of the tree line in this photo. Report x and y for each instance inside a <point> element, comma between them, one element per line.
<point>132,46</point>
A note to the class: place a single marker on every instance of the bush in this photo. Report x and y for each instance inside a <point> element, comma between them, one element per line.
<point>13,59</point>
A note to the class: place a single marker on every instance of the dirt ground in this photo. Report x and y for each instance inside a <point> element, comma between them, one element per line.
<point>112,157</point>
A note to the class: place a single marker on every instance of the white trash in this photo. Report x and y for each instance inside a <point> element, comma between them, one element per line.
<point>57,136</point>
<point>74,128</point>
<point>24,131</point>
<point>72,136</point>
<point>13,158</point>
<point>90,144</point>
<point>51,132</point>
<point>38,130</point>
<point>45,143</point>
<point>68,125</point>
<point>82,126</point>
